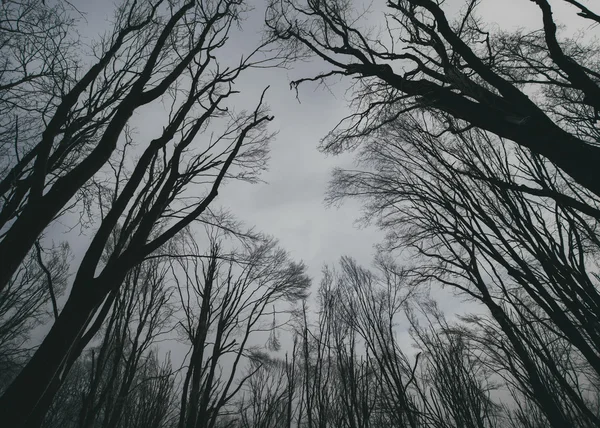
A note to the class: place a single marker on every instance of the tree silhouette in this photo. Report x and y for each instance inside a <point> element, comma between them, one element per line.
<point>81,144</point>
<point>226,297</point>
<point>497,224</point>
<point>422,59</point>
<point>24,305</point>
<point>476,153</point>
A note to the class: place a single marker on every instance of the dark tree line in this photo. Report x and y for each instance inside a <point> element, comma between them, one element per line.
<point>476,153</point>
<point>126,380</point>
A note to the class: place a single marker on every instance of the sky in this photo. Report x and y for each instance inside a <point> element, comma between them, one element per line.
<point>290,203</point>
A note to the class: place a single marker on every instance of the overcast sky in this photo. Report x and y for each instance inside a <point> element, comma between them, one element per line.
<point>289,205</point>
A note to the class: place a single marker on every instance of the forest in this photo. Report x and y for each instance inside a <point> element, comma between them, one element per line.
<point>476,155</point>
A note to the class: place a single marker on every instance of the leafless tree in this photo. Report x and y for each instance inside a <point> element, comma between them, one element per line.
<point>455,384</point>
<point>66,406</point>
<point>502,226</point>
<point>371,306</point>
<point>474,76</point>
<point>226,297</point>
<point>356,372</point>
<point>150,401</point>
<point>37,62</point>
<point>551,361</point>
<point>266,396</point>
<point>359,389</point>
<point>24,304</point>
<point>141,314</point>
<point>475,158</point>
<point>346,376</point>
<point>120,380</point>
<point>162,52</point>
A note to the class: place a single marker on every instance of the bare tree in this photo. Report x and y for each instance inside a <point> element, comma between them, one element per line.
<point>25,302</point>
<point>371,307</point>
<point>512,226</point>
<point>501,226</point>
<point>121,380</point>
<point>150,402</point>
<point>158,52</point>
<point>140,315</point>
<point>352,370</point>
<point>225,299</point>
<point>358,387</point>
<point>38,60</point>
<point>458,67</point>
<point>66,406</point>
<point>455,384</point>
<point>357,373</point>
<point>265,399</point>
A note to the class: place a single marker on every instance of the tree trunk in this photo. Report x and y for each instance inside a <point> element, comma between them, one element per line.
<point>29,396</point>
<point>20,239</point>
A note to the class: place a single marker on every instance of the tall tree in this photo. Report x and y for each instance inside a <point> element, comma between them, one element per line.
<point>226,297</point>
<point>356,372</point>
<point>532,88</point>
<point>81,144</point>
<point>265,399</point>
<point>504,227</point>
<point>141,314</point>
<point>455,383</point>
<point>28,301</point>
